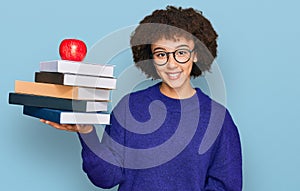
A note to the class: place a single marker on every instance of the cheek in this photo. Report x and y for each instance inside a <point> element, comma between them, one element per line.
<point>188,68</point>
<point>158,71</point>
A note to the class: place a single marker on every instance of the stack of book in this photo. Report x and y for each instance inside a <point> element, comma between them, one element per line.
<point>67,92</point>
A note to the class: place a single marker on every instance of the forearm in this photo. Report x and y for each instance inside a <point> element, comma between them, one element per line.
<point>225,172</point>
<point>101,173</point>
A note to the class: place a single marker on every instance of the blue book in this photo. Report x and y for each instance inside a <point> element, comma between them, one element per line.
<point>66,117</point>
<point>57,103</point>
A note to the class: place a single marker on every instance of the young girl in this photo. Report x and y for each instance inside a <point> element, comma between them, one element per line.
<point>170,136</point>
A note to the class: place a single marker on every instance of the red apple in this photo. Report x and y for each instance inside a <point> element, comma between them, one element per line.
<point>72,49</point>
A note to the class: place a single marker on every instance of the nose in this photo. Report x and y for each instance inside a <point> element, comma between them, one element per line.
<point>171,63</point>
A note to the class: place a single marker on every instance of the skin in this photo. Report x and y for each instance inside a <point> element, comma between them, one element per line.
<point>73,128</point>
<point>175,78</point>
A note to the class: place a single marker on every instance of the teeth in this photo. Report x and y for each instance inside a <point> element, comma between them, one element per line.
<point>174,75</point>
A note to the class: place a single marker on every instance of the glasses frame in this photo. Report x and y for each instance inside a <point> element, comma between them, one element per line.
<point>168,53</point>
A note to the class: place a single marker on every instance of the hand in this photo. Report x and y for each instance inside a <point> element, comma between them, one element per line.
<point>68,127</point>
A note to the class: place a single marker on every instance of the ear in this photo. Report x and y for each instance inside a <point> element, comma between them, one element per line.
<point>195,57</point>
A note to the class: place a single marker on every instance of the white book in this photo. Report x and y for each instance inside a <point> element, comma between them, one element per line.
<point>96,106</point>
<point>76,80</point>
<point>66,117</point>
<point>84,118</point>
<point>66,66</point>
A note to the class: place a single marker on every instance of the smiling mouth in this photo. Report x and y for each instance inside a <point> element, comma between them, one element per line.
<point>173,75</point>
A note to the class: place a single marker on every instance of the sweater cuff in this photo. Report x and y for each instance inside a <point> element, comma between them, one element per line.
<point>89,138</point>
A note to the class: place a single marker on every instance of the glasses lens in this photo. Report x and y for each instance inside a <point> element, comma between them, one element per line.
<point>160,58</point>
<point>182,55</point>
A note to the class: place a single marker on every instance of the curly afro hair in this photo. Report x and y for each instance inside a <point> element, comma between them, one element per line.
<point>171,23</point>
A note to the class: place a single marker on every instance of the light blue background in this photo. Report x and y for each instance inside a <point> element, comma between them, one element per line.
<point>258,48</point>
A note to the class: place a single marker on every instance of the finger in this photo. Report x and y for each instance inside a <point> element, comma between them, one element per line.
<point>67,127</point>
<point>85,128</point>
<point>55,125</point>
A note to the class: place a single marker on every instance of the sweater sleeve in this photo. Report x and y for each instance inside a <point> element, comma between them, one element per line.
<point>103,161</point>
<point>225,172</point>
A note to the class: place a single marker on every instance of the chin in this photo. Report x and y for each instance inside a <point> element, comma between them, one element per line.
<point>175,85</point>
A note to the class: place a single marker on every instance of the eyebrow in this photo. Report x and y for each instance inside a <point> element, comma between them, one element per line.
<point>179,46</point>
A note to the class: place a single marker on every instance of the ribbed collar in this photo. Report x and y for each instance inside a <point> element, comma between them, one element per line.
<point>178,105</point>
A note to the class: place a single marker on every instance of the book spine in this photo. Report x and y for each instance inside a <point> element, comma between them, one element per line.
<point>49,102</point>
<point>42,113</point>
<point>75,80</point>
<point>64,117</point>
<point>49,77</point>
<point>61,91</point>
<point>44,89</point>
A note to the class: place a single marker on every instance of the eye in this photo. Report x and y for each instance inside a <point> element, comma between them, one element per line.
<point>160,55</point>
<point>182,52</point>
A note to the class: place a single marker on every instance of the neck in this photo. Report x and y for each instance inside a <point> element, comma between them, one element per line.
<point>177,93</point>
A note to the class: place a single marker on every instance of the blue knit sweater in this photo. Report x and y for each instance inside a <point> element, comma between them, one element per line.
<point>158,143</point>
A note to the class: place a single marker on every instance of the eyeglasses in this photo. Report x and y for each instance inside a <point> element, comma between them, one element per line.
<point>181,56</point>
